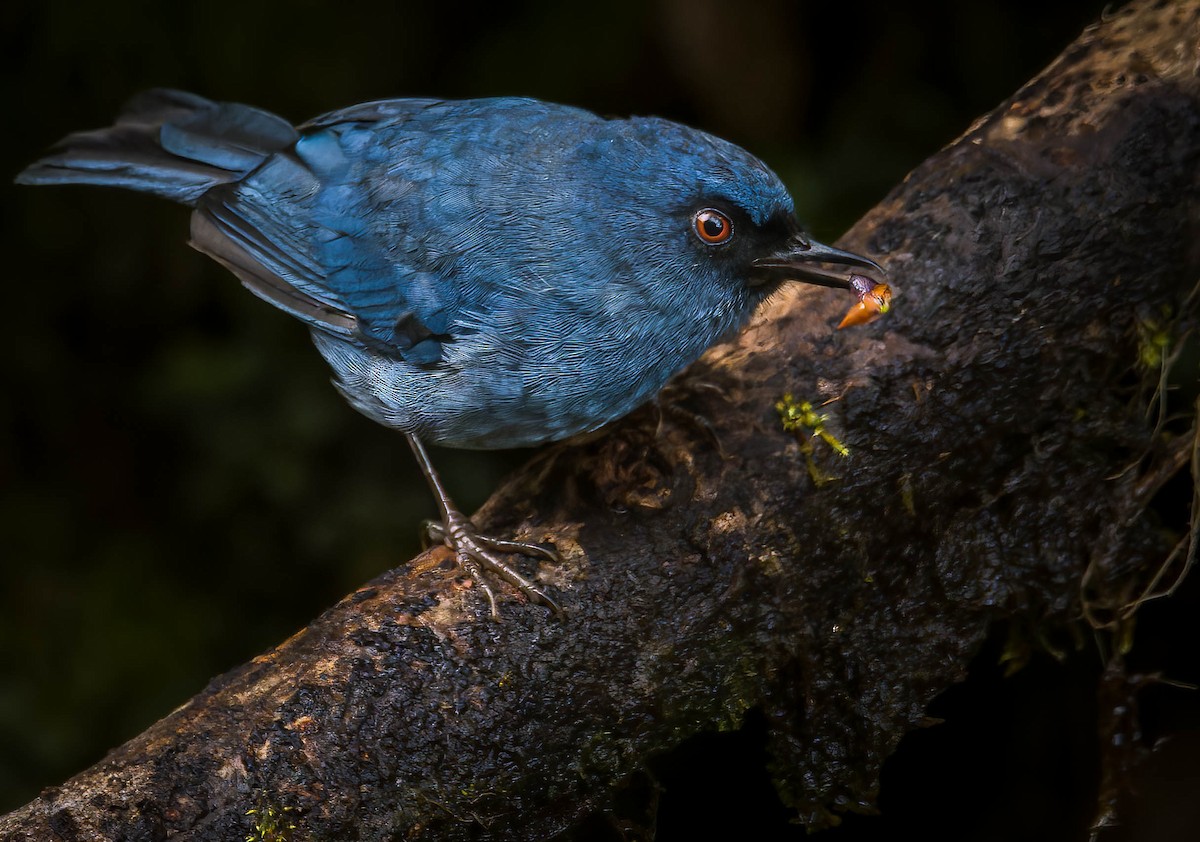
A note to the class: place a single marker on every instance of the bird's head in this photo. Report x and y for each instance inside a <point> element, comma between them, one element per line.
<point>729,215</point>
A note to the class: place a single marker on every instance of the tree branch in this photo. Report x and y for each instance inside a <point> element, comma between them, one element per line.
<point>1005,440</point>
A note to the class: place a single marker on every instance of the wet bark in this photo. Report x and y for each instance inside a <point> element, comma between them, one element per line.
<point>1004,439</point>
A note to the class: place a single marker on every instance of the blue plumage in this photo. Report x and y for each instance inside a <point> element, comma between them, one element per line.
<point>481,274</point>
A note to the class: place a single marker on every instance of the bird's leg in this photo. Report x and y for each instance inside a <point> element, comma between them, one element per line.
<point>669,403</point>
<point>475,552</point>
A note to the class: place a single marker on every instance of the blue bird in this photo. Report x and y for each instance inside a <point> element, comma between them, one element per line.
<point>487,273</point>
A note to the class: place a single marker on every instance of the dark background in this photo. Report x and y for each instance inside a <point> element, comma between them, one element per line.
<point>180,488</point>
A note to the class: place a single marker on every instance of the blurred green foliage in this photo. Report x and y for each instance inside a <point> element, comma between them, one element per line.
<point>180,488</point>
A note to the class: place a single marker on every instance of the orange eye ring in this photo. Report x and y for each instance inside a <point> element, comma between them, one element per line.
<point>712,227</point>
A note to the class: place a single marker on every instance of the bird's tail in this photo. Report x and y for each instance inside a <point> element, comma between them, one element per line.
<point>169,143</point>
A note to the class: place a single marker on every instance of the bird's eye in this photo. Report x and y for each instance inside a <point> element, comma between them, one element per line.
<point>712,227</point>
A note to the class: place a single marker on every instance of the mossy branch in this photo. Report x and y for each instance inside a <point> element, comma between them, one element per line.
<point>1006,432</point>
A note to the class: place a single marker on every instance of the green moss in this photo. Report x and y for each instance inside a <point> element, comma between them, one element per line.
<point>272,822</point>
<point>1154,340</point>
<point>802,419</point>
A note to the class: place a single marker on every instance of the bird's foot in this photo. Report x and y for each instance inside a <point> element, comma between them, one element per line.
<point>476,553</point>
<point>670,403</point>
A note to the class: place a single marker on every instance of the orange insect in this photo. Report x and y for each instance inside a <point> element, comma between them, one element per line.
<point>874,299</point>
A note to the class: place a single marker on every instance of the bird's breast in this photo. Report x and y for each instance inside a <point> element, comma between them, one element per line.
<point>547,380</point>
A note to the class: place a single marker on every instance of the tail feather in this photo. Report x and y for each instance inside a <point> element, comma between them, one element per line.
<point>169,143</point>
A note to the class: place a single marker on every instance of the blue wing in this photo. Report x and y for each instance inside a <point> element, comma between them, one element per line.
<point>372,225</point>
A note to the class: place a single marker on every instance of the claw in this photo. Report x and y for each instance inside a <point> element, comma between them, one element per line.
<point>525,548</point>
<point>474,552</point>
<point>472,549</point>
<point>436,533</point>
<point>669,403</point>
